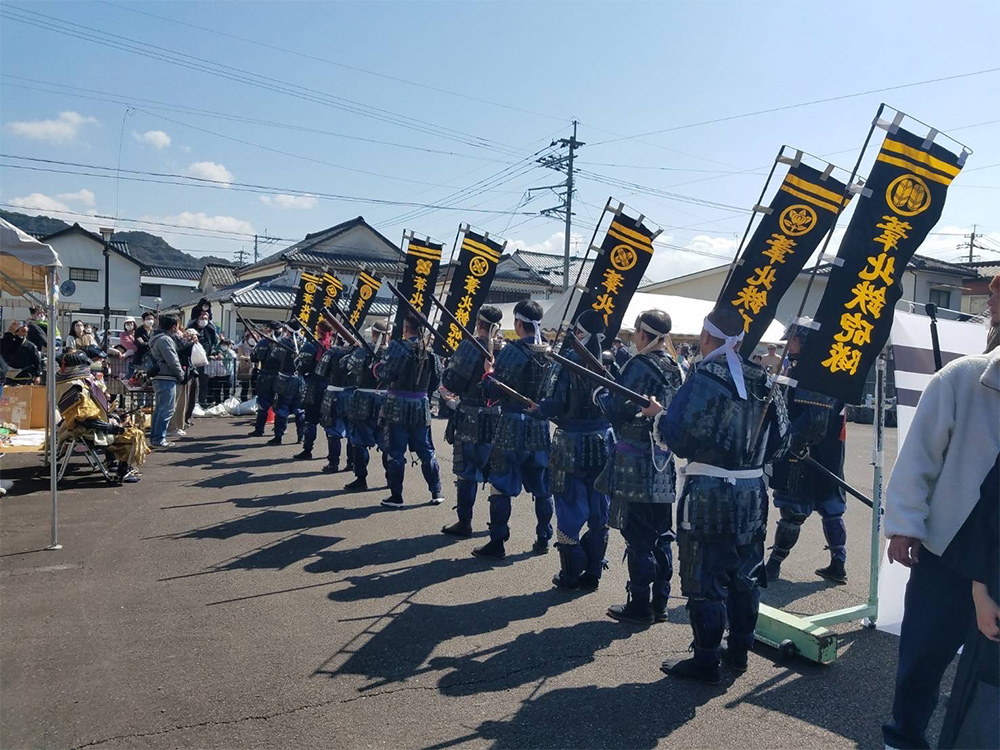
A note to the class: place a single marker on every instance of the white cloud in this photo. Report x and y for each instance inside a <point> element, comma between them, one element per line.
<point>295,202</point>
<point>39,203</point>
<point>83,197</point>
<point>201,220</point>
<point>155,138</point>
<point>554,245</point>
<point>63,129</point>
<point>209,170</point>
<point>669,261</point>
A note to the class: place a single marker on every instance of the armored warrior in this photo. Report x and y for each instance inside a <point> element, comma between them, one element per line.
<point>318,364</point>
<point>472,425</point>
<point>723,421</point>
<point>270,357</point>
<point>520,456</point>
<point>642,478</point>
<point>410,371</point>
<point>365,405</point>
<point>580,448</point>
<point>817,431</point>
<point>288,389</point>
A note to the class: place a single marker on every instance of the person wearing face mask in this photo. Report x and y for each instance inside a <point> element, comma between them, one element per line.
<point>75,340</point>
<point>22,357</point>
<point>127,338</point>
<point>37,328</point>
<point>142,334</point>
<point>209,339</point>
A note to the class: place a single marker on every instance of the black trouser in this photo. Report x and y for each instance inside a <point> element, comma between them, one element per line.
<point>195,374</point>
<point>937,612</point>
<point>204,388</point>
<point>221,388</point>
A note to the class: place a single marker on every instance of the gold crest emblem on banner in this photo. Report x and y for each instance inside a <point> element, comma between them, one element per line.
<point>365,292</point>
<point>908,195</point>
<point>623,257</point>
<point>797,220</point>
<point>479,266</point>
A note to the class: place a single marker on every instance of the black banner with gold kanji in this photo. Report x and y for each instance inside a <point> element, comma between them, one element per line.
<point>308,299</point>
<point>423,261</point>
<point>801,213</point>
<point>365,291</point>
<point>618,269</point>
<point>908,185</point>
<point>478,257</point>
<point>331,289</point>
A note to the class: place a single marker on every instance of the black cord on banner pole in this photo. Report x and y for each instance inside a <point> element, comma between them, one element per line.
<point>840,210</point>
<point>753,215</point>
<point>450,271</point>
<point>583,264</point>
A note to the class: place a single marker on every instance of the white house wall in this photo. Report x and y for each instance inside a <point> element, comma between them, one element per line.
<point>79,251</point>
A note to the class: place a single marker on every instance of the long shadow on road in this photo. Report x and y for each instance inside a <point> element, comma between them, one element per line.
<point>385,552</point>
<point>274,521</point>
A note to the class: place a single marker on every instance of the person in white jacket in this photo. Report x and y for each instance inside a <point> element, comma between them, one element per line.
<point>931,506</point>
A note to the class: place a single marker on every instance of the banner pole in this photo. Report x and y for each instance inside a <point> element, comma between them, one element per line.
<point>840,208</point>
<point>878,464</point>
<point>753,215</point>
<point>579,271</point>
<point>50,410</point>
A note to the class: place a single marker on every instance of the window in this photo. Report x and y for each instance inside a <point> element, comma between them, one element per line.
<point>941,298</point>
<point>149,290</point>
<point>84,274</point>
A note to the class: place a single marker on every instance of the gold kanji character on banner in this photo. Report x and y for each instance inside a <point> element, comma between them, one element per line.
<point>303,316</point>
<point>842,359</point>
<point>420,283</point>
<point>867,296</point>
<point>893,230</point>
<point>854,329</point>
<point>778,247</point>
<point>606,304</point>
<point>472,284</point>
<point>612,281</point>
<point>423,267</point>
<point>764,277</point>
<point>751,298</point>
<point>307,299</point>
<point>417,300</point>
<point>882,267</point>
<point>454,336</point>
<point>747,320</point>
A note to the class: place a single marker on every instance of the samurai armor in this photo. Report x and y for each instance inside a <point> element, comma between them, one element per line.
<point>266,381</point>
<point>475,424</point>
<point>654,374</point>
<point>576,453</point>
<point>314,390</point>
<point>818,429</point>
<point>364,406</point>
<point>464,374</point>
<point>358,365</point>
<point>408,366</point>
<point>328,408</point>
<point>522,366</point>
<point>407,411</point>
<point>520,432</point>
<point>328,363</point>
<point>289,386</point>
<point>712,508</point>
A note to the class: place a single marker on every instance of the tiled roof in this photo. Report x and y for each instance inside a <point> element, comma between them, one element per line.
<point>917,263</point>
<point>119,246</point>
<point>219,276</point>
<point>303,250</point>
<point>172,272</point>
<point>351,262</point>
<point>550,266</point>
<point>984,268</point>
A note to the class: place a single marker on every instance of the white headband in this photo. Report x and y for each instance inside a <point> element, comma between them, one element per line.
<point>534,325</point>
<point>732,357</point>
<point>583,335</point>
<point>658,336</point>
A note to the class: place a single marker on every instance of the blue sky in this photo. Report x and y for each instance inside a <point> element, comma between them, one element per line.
<point>458,96</point>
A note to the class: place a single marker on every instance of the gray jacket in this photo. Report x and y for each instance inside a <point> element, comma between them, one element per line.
<point>163,347</point>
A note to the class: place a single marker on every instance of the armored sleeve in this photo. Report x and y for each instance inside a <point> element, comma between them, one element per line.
<point>396,359</point>
<point>813,412</point>
<point>434,380</point>
<point>555,393</point>
<point>779,431</point>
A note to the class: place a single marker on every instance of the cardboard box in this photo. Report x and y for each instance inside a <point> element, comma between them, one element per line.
<point>23,406</point>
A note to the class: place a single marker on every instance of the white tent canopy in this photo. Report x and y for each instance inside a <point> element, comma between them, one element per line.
<point>21,264</point>
<point>686,314</point>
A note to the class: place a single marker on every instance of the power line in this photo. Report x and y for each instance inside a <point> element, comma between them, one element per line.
<point>221,70</point>
<point>316,58</point>
<point>156,105</point>
<point>798,105</point>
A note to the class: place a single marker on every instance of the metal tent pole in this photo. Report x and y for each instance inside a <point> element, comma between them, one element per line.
<point>50,397</point>
<point>878,464</point>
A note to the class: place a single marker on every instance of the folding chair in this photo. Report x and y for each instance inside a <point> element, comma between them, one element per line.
<point>65,454</point>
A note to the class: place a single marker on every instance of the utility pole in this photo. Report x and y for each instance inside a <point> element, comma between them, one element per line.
<point>972,241</point>
<point>265,239</point>
<point>565,209</point>
<point>241,256</point>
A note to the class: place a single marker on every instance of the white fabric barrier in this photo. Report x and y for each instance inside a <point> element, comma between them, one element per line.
<point>913,356</point>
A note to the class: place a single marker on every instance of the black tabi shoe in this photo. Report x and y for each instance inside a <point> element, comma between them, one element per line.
<point>835,572</point>
<point>773,569</point>
<point>735,658</point>
<point>276,440</point>
<point>659,612</point>
<point>540,547</point>
<point>459,528</point>
<point>563,581</point>
<point>358,485</point>
<point>589,582</point>
<point>303,455</point>
<point>689,669</point>
<point>331,468</point>
<point>492,550</point>
<point>392,502</point>
<point>635,615</point>
<point>298,440</point>
<point>255,433</point>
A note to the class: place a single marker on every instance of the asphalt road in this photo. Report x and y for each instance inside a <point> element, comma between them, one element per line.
<point>235,598</point>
